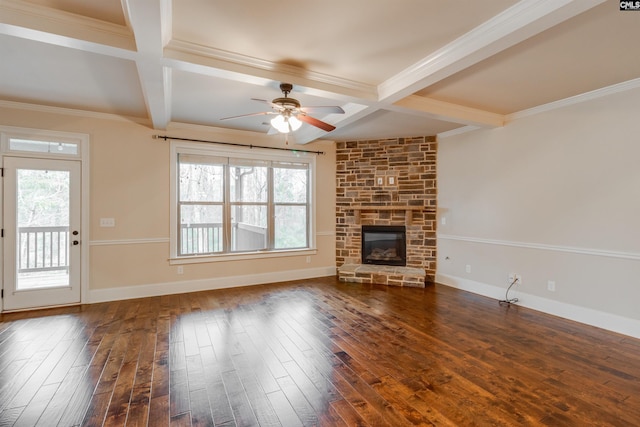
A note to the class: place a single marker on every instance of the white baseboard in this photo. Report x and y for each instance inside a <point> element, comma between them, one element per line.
<point>168,288</point>
<point>588,316</point>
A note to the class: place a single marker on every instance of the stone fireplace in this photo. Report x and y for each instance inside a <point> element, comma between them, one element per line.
<point>388,183</point>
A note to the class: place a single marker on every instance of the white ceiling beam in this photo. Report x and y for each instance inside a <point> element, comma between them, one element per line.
<point>521,21</point>
<point>151,24</point>
<point>449,112</point>
<point>33,22</point>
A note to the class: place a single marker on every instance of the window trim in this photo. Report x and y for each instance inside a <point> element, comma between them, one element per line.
<point>181,147</point>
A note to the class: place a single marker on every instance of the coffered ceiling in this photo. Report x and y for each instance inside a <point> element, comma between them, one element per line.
<point>397,68</point>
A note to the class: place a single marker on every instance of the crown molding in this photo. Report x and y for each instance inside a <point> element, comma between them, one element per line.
<point>577,99</point>
<point>230,63</point>
<point>457,131</point>
<point>555,105</point>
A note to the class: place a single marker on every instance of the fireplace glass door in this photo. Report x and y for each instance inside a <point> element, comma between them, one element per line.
<point>384,245</point>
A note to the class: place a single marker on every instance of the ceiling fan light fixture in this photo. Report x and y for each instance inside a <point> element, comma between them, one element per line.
<point>294,123</point>
<point>280,124</point>
<point>286,124</point>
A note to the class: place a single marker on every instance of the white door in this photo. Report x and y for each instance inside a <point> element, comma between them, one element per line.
<point>41,245</point>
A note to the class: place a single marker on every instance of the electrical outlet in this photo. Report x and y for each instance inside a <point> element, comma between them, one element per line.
<point>468,268</point>
<point>551,286</point>
<point>308,259</point>
<point>180,269</point>
<point>515,277</point>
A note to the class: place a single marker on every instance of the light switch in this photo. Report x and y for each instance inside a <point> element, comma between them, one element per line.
<point>107,222</point>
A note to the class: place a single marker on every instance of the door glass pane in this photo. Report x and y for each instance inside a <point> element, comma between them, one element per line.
<point>42,228</point>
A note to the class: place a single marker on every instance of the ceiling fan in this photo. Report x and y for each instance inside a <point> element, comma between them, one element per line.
<point>290,114</point>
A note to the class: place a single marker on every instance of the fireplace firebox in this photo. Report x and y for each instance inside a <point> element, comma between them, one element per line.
<point>384,245</point>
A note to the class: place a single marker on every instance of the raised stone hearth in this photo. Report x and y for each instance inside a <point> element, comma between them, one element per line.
<point>382,275</point>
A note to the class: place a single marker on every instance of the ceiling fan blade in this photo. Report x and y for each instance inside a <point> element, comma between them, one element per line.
<point>263,113</point>
<point>269,103</point>
<point>315,122</point>
<point>328,109</point>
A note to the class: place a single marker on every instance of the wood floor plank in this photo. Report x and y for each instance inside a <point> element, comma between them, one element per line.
<point>240,405</point>
<point>159,410</point>
<point>259,400</point>
<point>216,392</point>
<point>330,418</point>
<point>313,352</point>
<point>9,416</point>
<point>34,408</point>
<point>201,410</point>
<point>56,408</point>
<point>347,413</point>
<point>20,379</point>
<point>286,414</point>
<point>179,392</point>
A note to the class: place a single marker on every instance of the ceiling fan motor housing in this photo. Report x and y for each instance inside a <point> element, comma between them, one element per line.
<point>287,103</point>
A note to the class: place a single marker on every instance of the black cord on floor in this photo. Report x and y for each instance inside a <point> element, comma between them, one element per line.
<point>506,299</point>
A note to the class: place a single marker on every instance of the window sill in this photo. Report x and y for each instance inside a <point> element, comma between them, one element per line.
<point>242,256</point>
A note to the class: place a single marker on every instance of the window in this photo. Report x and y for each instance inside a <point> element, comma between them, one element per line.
<point>42,143</point>
<point>239,202</point>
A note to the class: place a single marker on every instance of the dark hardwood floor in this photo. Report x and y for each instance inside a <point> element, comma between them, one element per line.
<point>313,352</point>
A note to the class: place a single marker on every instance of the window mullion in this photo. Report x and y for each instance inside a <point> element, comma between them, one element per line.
<point>271,212</point>
<point>227,209</point>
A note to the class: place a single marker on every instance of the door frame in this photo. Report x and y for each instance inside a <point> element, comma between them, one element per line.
<point>81,140</point>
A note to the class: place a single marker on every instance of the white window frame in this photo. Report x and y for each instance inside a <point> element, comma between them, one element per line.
<point>182,147</point>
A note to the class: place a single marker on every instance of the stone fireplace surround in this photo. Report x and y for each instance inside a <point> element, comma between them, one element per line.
<point>387,182</point>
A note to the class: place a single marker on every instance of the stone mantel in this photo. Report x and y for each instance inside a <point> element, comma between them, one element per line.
<point>408,211</point>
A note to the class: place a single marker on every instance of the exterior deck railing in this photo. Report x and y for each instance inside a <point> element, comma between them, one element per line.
<point>207,238</point>
<point>47,248</point>
<point>43,249</point>
<point>200,238</point>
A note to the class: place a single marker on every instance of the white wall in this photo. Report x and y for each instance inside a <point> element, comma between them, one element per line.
<point>551,196</point>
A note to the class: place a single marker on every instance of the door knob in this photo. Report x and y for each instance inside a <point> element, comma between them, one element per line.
<point>76,242</point>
